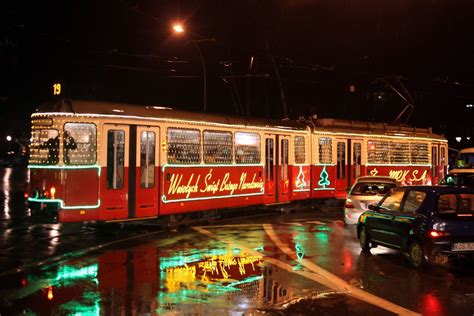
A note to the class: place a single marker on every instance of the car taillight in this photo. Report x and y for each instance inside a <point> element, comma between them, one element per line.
<point>437,233</point>
<point>349,204</point>
<point>25,195</point>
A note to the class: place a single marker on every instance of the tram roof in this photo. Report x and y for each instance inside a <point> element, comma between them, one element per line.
<point>114,109</point>
<point>107,109</point>
<point>332,125</point>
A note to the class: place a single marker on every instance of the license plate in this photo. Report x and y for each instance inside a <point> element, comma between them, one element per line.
<point>463,246</point>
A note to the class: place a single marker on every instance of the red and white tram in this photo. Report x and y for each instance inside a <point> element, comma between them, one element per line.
<point>98,161</point>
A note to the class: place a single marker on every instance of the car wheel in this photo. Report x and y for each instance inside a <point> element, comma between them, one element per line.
<point>416,254</point>
<point>364,239</point>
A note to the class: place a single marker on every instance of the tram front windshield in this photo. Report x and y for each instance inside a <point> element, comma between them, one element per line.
<point>44,148</point>
<point>79,145</point>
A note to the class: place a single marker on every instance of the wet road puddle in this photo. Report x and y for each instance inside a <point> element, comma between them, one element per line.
<point>191,274</point>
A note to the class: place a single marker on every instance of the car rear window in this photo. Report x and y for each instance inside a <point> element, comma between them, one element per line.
<point>458,204</point>
<point>365,188</point>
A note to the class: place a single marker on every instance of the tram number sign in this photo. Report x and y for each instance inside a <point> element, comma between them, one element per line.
<point>56,89</point>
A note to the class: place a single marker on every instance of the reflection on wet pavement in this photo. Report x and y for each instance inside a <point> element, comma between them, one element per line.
<point>152,279</point>
<point>233,269</point>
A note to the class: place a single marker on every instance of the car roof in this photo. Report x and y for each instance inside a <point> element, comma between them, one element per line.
<point>439,189</point>
<point>375,179</point>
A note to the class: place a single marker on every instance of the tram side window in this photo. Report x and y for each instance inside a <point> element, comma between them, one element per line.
<point>419,153</point>
<point>217,147</point>
<point>80,143</point>
<point>247,148</point>
<point>115,158</point>
<point>44,148</point>
<point>147,159</point>
<point>378,152</point>
<point>325,150</point>
<point>399,153</point>
<point>300,150</point>
<point>184,146</point>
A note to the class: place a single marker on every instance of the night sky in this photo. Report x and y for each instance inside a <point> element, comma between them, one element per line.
<point>126,51</point>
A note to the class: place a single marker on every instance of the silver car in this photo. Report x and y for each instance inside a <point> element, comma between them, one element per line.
<point>365,191</point>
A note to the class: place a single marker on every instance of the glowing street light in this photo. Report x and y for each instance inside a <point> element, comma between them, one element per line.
<point>179,29</point>
<point>9,138</point>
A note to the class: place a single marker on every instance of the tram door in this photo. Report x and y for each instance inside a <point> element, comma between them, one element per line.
<point>282,174</point>
<point>356,160</point>
<point>114,190</point>
<point>146,172</point>
<point>342,176</point>
<point>270,170</point>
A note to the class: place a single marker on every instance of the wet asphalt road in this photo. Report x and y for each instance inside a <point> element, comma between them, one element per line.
<point>304,263</point>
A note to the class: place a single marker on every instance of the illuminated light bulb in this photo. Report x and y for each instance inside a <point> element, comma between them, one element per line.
<point>50,293</point>
<point>53,192</point>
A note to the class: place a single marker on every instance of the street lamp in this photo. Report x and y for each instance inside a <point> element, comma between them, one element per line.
<point>178,29</point>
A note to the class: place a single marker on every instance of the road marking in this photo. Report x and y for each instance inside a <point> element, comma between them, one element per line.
<point>337,281</point>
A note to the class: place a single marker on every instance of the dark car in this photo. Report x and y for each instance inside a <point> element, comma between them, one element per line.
<point>430,223</point>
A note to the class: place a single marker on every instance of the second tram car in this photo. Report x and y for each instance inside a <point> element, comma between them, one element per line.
<point>99,161</point>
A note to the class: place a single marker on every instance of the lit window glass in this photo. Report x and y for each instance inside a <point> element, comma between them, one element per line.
<point>184,146</point>
<point>269,154</point>
<point>217,147</point>
<point>300,150</point>
<point>325,150</point>
<point>115,158</point>
<point>44,148</point>
<point>147,159</point>
<point>378,152</point>
<point>284,159</point>
<point>79,144</point>
<point>419,153</point>
<point>247,148</point>
<point>399,153</point>
<point>341,160</point>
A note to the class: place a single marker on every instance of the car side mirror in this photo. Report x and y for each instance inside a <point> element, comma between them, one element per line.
<point>373,207</point>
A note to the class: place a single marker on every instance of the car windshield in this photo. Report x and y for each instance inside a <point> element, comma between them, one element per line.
<point>456,203</point>
<point>368,188</point>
